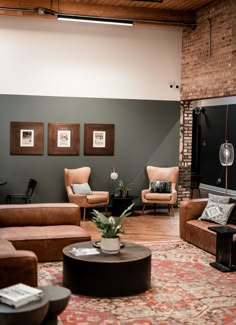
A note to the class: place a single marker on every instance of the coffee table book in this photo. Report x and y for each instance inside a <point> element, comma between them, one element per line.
<point>19,294</point>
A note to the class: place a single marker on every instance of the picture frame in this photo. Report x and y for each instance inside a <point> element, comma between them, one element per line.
<point>26,138</point>
<point>99,139</point>
<point>64,139</point>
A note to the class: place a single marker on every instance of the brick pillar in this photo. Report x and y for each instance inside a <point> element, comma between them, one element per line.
<point>185,150</point>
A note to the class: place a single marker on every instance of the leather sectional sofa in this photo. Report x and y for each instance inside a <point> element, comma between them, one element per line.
<point>196,231</point>
<point>35,232</point>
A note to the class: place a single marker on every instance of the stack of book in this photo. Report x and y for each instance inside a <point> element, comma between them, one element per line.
<point>19,294</point>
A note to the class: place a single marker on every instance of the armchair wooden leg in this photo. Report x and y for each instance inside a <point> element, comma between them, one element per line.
<point>143,208</point>
<point>154,207</point>
<point>106,210</point>
<point>171,209</point>
<point>84,214</point>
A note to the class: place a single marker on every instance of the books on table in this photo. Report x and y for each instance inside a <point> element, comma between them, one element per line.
<point>19,294</point>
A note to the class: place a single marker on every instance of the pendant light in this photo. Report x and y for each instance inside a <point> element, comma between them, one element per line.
<point>226,152</point>
<point>113,176</point>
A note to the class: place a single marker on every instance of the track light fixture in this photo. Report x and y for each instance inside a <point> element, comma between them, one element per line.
<point>96,20</point>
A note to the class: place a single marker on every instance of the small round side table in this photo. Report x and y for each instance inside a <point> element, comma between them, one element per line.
<point>58,299</point>
<point>32,313</point>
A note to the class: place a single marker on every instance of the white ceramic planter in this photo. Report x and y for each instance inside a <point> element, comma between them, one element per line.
<point>110,245</point>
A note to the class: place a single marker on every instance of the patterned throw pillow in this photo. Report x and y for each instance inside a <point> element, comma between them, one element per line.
<point>217,212</point>
<point>81,188</point>
<point>160,186</point>
<point>219,198</point>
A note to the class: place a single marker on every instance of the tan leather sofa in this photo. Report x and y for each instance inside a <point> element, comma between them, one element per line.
<point>196,231</point>
<point>44,228</point>
<point>17,265</point>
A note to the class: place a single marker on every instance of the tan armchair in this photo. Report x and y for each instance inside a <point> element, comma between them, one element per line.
<point>81,176</point>
<point>161,174</point>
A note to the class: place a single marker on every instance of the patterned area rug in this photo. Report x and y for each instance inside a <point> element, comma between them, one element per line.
<point>185,290</point>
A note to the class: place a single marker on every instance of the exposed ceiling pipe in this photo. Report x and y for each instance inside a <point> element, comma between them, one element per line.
<point>45,11</point>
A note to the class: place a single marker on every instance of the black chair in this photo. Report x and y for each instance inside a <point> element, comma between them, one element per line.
<point>26,197</point>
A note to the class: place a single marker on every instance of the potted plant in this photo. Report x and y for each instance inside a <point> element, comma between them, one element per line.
<point>123,188</point>
<point>110,229</point>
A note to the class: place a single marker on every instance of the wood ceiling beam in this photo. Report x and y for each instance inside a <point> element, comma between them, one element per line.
<point>117,12</point>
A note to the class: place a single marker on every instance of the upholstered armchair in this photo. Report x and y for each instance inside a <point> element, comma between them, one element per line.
<point>162,187</point>
<point>79,192</point>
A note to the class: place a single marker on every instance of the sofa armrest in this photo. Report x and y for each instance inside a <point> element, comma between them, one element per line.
<point>18,266</point>
<point>189,210</point>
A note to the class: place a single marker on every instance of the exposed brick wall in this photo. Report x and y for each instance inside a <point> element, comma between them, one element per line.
<point>209,53</point>
<point>208,70</point>
<point>185,151</point>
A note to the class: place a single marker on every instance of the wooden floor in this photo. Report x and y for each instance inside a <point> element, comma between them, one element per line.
<point>146,227</point>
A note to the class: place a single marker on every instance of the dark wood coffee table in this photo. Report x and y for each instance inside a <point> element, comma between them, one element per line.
<point>104,275</point>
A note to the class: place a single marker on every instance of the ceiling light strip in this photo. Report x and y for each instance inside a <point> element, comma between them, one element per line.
<point>96,20</point>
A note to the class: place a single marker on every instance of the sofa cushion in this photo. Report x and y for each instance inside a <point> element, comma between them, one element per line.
<point>158,196</point>
<point>6,246</point>
<point>47,242</point>
<point>81,189</point>
<point>160,186</point>
<point>39,214</point>
<point>96,198</point>
<point>42,233</point>
<point>217,212</point>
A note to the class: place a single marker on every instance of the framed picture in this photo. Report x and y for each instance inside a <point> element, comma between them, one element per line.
<point>26,138</point>
<point>99,139</point>
<point>63,138</point>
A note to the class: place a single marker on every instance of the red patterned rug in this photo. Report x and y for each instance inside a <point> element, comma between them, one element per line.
<point>185,290</point>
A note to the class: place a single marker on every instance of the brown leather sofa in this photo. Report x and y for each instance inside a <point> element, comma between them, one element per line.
<point>196,231</point>
<point>16,265</point>
<point>44,228</point>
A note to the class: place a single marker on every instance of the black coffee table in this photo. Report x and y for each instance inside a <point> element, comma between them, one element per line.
<point>105,275</point>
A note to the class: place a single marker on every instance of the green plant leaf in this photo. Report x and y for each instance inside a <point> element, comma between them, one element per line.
<point>110,227</point>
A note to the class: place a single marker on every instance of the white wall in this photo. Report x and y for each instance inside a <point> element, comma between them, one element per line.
<point>57,58</point>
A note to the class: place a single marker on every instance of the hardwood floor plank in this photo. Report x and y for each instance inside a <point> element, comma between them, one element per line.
<point>141,228</point>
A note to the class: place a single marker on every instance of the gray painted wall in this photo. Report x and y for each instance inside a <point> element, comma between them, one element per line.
<point>146,133</point>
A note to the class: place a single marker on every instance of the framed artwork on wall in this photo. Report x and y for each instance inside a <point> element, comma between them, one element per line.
<point>26,138</point>
<point>63,139</point>
<point>99,139</point>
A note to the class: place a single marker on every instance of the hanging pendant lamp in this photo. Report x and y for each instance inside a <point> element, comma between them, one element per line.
<point>226,152</point>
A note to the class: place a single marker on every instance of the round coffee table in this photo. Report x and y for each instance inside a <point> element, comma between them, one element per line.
<point>32,313</point>
<point>104,275</point>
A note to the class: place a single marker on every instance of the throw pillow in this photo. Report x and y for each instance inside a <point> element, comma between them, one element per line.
<point>219,198</point>
<point>81,188</point>
<point>217,212</point>
<point>160,186</point>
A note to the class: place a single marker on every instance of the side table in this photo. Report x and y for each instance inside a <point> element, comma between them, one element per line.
<point>58,298</point>
<point>119,204</point>
<point>224,248</point>
<point>32,313</point>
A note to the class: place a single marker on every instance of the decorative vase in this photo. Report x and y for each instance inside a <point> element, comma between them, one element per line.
<point>124,193</point>
<point>110,245</point>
